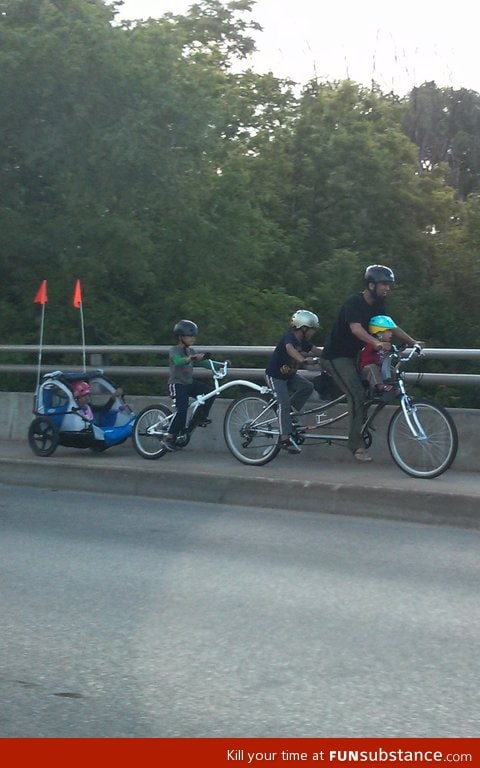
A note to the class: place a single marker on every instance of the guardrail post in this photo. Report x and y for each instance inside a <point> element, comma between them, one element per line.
<point>97,360</point>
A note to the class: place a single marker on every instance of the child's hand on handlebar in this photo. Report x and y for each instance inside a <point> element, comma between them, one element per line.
<point>385,345</point>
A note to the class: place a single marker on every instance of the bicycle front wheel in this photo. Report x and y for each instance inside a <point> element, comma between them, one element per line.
<point>150,427</point>
<point>251,430</point>
<point>424,441</point>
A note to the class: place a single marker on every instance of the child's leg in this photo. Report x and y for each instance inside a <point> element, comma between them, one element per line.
<point>179,395</point>
<point>373,375</point>
<point>198,387</point>
<point>280,390</point>
<point>302,389</point>
<point>387,369</point>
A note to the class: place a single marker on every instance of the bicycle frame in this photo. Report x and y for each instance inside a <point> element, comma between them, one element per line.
<point>219,371</point>
<point>405,402</point>
<point>310,432</point>
<point>218,374</point>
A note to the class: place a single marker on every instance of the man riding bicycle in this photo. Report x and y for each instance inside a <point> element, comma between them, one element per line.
<point>348,335</point>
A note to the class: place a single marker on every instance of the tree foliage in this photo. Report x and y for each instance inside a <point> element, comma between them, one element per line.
<point>148,160</point>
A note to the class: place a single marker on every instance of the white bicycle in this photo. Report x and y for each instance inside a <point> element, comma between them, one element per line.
<point>153,422</point>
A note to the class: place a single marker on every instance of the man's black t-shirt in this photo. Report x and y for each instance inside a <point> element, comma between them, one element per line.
<point>341,342</point>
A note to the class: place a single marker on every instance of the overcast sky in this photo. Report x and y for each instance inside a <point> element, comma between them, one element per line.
<point>397,43</point>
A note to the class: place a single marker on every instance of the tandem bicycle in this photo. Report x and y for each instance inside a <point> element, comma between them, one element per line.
<point>422,437</point>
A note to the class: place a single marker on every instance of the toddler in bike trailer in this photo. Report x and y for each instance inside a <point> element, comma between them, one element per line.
<point>291,389</point>
<point>181,383</point>
<point>81,392</point>
<point>374,364</point>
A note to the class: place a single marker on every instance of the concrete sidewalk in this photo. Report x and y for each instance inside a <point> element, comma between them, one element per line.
<point>288,482</point>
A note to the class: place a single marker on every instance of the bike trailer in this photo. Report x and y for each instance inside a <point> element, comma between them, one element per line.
<point>59,421</point>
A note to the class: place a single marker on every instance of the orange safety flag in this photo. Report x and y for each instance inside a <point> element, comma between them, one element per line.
<point>77,295</point>
<point>41,297</point>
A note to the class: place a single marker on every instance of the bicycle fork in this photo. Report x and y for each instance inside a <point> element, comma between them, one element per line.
<point>411,417</point>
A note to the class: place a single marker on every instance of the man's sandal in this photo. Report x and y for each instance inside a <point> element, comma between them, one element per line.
<point>361,455</point>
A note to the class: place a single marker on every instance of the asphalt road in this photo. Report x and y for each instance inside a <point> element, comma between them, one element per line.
<point>137,617</point>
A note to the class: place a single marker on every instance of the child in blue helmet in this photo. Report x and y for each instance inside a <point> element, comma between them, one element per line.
<point>374,364</point>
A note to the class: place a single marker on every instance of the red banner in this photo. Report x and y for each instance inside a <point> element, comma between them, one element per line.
<point>77,295</point>
<point>41,295</point>
<point>241,753</point>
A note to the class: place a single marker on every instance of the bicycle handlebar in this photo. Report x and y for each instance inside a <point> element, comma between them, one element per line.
<point>219,369</point>
<point>415,350</point>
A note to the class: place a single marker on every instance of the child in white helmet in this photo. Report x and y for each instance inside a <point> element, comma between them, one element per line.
<point>374,364</point>
<point>292,389</point>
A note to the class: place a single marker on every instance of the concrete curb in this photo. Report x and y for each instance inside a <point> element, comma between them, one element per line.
<point>360,492</point>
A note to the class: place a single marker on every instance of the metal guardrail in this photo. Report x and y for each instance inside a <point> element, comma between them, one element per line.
<point>98,352</point>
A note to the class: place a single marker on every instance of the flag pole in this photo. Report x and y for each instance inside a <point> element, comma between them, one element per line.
<point>83,339</point>
<point>40,298</point>
<point>42,321</point>
<point>78,304</point>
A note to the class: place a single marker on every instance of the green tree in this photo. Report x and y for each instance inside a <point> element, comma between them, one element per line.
<point>357,197</point>
<point>146,159</point>
<point>445,125</point>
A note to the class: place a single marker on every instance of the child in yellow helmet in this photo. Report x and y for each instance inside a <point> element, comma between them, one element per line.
<point>374,364</point>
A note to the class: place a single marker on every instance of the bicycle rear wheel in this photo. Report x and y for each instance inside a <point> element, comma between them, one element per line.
<point>424,442</point>
<point>251,430</point>
<point>150,427</point>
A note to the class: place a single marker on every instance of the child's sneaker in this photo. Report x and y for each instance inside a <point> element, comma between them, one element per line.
<point>390,392</point>
<point>169,445</point>
<point>199,421</point>
<point>204,422</point>
<point>290,445</point>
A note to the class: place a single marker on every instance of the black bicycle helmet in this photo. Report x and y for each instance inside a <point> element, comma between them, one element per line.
<point>185,328</point>
<point>378,273</point>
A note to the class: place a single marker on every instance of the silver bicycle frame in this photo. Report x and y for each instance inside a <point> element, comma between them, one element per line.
<point>405,403</point>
